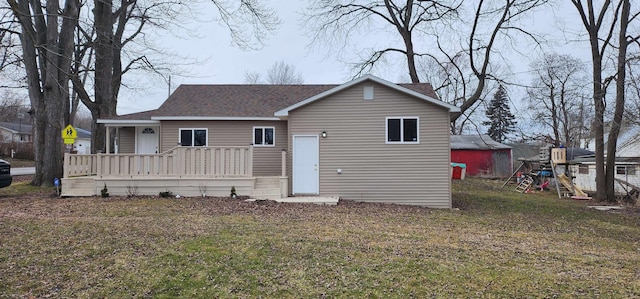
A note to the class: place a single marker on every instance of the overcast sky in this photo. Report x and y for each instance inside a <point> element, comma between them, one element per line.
<point>225,64</point>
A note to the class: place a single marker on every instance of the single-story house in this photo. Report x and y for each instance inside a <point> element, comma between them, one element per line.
<point>15,132</point>
<point>627,163</point>
<point>483,156</point>
<point>627,173</point>
<point>82,144</point>
<point>365,140</point>
<point>16,140</point>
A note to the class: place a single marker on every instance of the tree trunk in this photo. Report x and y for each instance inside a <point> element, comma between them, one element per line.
<point>614,131</point>
<point>104,50</point>
<point>47,66</point>
<point>598,123</point>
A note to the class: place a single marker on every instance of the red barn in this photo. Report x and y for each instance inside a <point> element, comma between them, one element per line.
<point>484,156</point>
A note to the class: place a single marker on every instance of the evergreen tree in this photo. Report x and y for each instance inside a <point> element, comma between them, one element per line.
<point>501,121</point>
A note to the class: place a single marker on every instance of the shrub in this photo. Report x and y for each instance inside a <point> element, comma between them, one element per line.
<point>166,193</point>
<point>104,191</point>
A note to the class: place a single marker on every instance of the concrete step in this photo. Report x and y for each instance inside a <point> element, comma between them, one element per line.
<point>271,182</point>
<point>270,193</point>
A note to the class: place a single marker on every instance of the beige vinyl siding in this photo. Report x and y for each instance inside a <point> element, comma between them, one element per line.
<point>373,170</point>
<point>127,140</point>
<point>266,160</point>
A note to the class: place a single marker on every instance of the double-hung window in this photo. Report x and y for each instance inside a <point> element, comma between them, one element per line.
<point>193,137</point>
<point>264,136</point>
<point>402,130</point>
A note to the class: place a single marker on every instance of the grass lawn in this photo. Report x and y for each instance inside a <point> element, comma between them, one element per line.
<point>498,244</point>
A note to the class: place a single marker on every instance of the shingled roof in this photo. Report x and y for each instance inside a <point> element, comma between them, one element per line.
<point>235,100</point>
<point>246,100</point>
<point>243,101</point>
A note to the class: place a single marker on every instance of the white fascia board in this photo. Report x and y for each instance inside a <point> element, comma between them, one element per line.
<point>285,111</point>
<point>133,122</point>
<point>210,118</point>
<point>10,131</point>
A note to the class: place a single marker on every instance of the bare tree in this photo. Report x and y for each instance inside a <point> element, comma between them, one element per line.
<point>118,26</point>
<point>55,50</point>
<point>47,44</point>
<point>467,70</point>
<point>335,21</point>
<point>9,44</point>
<point>251,77</point>
<point>280,73</point>
<point>595,21</point>
<point>14,108</point>
<point>632,112</point>
<point>501,19</point>
<point>555,95</point>
<point>624,40</point>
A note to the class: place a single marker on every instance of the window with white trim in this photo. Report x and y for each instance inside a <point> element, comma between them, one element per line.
<point>402,130</point>
<point>626,170</point>
<point>193,137</point>
<point>264,136</point>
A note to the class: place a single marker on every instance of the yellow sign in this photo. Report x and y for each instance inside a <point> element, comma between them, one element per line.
<point>69,141</point>
<point>69,133</point>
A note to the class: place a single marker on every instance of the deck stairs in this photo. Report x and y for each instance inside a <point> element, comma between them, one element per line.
<point>525,184</point>
<point>79,187</point>
<point>266,188</point>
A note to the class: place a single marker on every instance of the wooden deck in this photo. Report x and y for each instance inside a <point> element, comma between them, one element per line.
<point>185,171</point>
<point>256,187</point>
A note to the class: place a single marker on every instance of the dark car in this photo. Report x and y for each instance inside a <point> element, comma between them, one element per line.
<point>5,174</point>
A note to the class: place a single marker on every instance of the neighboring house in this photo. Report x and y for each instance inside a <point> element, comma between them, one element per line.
<point>82,144</point>
<point>628,143</point>
<point>16,140</point>
<point>15,132</point>
<point>627,169</point>
<point>483,156</point>
<point>365,140</point>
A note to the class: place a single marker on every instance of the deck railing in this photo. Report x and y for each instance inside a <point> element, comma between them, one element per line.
<point>179,161</point>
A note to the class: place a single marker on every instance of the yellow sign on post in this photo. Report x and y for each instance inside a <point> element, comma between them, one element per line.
<point>69,134</point>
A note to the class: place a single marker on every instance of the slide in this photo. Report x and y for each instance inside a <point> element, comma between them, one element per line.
<point>566,182</point>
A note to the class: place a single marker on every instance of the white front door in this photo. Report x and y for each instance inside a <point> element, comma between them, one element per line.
<point>147,140</point>
<point>305,165</point>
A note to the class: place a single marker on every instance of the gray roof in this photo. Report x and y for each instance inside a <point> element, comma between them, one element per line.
<point>22,128</point>
<point>246,100</point>
<point>477,142</point>
<point>250,100</point>
<point>26,129</point>
<point>82,133</point>
<point>620,160</point>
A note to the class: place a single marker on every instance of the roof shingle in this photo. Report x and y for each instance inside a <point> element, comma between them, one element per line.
<point>253,100</point>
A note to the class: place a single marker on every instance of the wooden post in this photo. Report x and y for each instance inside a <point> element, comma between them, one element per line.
<point>65,167</point>
<point>108,143</point>
<point>250,162</point>
<point>99,165</point>
<point>284,163</point>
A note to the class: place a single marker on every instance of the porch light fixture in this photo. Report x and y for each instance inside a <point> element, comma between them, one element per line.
<point>324,134</point>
